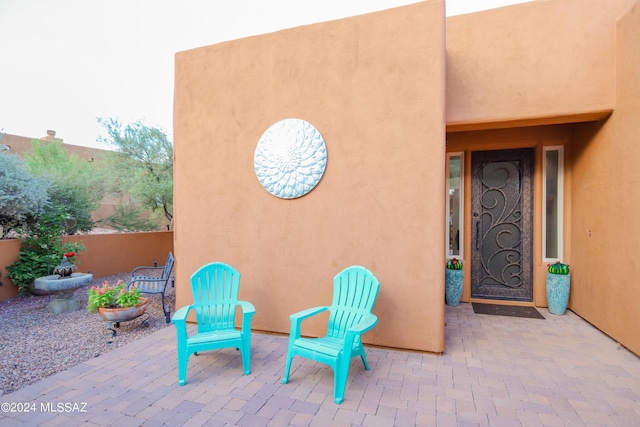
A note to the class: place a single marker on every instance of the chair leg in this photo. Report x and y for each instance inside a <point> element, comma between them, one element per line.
<point>166,310</point>
<point>338,386</point>
<point>363,356</point>
<point>287,367</point>
<point>245,353</point>
<point>364,362</point>
<point>341,373</point>
<point>183,358</point>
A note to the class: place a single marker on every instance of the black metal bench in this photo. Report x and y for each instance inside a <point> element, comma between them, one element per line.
<point>154,284</point>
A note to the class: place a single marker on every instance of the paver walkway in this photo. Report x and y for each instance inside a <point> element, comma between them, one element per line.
<point>496,371</point>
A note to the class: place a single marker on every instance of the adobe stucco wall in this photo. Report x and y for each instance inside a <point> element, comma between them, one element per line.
<point>22,145</point>
<point>542,62</point>
<point>121,252</point>
<point>9,250</point>
<point>373,85</point>
<point>106,254</point>
<point>606,225</point>
<point>552,62</point>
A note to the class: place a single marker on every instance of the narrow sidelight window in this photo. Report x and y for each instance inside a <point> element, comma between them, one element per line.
<point>553,172</point>
<point>455,205</point>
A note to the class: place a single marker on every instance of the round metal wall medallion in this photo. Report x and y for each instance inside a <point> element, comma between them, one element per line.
<point>290,158</point>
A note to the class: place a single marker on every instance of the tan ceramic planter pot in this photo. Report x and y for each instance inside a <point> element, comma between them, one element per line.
<point>123,314</point>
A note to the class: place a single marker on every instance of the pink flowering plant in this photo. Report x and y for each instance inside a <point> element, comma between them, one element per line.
<point>116,296</point>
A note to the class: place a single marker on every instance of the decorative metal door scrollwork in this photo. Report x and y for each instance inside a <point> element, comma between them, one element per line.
<point>502,214</point>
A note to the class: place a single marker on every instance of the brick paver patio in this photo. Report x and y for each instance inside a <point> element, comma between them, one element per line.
<point>496,371</point>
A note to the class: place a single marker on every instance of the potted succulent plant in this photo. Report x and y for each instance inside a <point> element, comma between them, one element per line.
<point>116,303</point>
<point>454,281</point>
<point>558,284</point>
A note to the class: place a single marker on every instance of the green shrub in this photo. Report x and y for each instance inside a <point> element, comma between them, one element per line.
<point>42,250</point>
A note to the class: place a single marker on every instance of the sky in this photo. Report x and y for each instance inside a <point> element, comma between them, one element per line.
<point>64,63</point>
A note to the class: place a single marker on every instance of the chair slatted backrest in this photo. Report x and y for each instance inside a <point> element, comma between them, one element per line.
<point>215,296</point>
<point>355,290</point>
<point>168,266</point>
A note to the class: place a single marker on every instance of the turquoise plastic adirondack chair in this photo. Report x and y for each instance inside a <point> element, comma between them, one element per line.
<point>355,290</point>
<point>215,294</point>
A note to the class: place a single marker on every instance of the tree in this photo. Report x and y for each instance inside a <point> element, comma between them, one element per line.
<point>21,194</point>
<point>128,218</point>
<point>77,185</point>
<point>142,164</point>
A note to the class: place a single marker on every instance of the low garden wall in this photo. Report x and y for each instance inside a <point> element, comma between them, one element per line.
<point>106,254</point>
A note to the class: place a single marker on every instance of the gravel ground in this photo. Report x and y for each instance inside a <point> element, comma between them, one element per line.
<point>35,343</point>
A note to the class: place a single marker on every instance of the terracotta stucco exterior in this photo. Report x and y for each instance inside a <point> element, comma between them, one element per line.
<point>541,62</point>
<point>374,89</point>
<point>605,224</point>
<point>106,254</point>
<point>380,88</point>
<point>499,81</point>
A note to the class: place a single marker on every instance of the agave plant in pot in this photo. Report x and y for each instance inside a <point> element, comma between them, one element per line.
<point>116,303</point>
<point>558,285</point>
<point>454,281</point>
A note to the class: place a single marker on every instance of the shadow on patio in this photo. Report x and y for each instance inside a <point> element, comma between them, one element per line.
<point>496,371</point>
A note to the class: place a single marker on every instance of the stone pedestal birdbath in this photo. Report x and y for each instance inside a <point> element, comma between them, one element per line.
<point>62,287</point>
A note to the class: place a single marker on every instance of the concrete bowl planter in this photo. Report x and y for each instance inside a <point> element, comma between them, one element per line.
<point>62,288</point>
<point>558,286</point>
<point>454,282</point>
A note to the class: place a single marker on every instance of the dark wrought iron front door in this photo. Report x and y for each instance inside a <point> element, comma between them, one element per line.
<point>501,228</point>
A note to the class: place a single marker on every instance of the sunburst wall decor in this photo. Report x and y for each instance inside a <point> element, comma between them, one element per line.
<point>290,158</point>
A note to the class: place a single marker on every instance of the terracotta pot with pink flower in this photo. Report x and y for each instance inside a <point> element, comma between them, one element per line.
<point>116,303</point>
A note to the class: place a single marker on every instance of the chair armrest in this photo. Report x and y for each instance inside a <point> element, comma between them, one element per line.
<point>147,279</point>
<point>144,267</point>
<point>301,315</point>
<point>367,323</point>
<point>297,318</point>
<point>248,310</point>
<point>180,316</point>
<point>179,319</point>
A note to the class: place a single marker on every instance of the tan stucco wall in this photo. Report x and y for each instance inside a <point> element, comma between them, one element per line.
<point>373,85</point>
<point>106,254</point>
<point>554,62</point>
<point>22,145</point>
<point>9,251</point>
<point>514,76</point>
<point>501,139</point>
<point>542,62</point>
<point>606,226</point>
